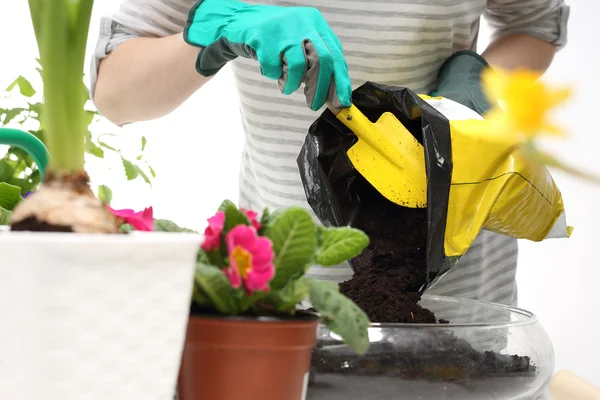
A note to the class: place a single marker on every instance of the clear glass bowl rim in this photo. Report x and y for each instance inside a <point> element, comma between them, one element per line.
<point>527,317</point>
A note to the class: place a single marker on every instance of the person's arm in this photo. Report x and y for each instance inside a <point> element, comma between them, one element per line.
<point>527,33</point>
<point>146,78</point>
<point>519,50</point>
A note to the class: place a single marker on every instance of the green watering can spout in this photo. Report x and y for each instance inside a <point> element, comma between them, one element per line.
<point>29,143</point>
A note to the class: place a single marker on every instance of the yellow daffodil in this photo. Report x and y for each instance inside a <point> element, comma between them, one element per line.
<point>526,102</point>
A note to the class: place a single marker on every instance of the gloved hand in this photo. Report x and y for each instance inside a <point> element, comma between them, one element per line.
<point>292,44</point>
<point>459,79</point>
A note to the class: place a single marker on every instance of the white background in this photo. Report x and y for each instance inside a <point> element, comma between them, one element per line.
<point>195,152</point>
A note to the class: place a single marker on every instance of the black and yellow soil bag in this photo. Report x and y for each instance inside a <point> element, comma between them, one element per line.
<point>474,181</point>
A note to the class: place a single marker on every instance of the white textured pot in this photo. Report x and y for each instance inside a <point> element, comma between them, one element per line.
<point>93,317</point>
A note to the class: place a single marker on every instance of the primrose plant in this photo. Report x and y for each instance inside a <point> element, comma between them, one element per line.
<point>65,201</point>
<point>257,266</point>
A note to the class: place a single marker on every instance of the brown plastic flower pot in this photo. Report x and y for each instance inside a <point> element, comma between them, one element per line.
<point>229,358</point>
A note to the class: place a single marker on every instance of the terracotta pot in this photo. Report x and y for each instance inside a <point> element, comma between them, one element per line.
<point>247,358</point>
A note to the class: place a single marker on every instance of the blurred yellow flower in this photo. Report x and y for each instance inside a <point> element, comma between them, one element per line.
<point>526,102</point>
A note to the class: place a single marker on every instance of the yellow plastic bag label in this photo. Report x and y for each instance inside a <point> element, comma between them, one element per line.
<point>495,186</point>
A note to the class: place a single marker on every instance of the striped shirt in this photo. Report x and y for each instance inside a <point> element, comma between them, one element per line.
<point>397,42</point>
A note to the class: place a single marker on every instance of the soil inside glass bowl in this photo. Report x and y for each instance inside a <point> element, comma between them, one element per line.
<point>387,280</point>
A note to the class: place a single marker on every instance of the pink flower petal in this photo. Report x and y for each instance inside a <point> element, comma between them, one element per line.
<point>234,276</point>
<point>259,280</point>
<point>212,233</point>
<point>141,221</point>
<point>259,273</point>
<point>243,236</point>
<point>253,217</point>
<point>262,252</point>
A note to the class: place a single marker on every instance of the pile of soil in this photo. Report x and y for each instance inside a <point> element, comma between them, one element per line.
<point>388,280</point>
<point>391,271</point>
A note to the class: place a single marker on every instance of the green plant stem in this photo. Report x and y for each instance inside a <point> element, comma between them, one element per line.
<point>61,28</point>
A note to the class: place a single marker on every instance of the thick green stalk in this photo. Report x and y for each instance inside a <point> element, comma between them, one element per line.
<point>61,28</point>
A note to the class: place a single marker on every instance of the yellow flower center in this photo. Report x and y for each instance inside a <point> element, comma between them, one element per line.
<point>243,261</point>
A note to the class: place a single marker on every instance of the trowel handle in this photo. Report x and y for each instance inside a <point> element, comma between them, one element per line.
<point>357,122</point>
<point>565,385</point>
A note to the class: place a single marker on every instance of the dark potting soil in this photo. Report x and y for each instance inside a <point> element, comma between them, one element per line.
<point>388,280</point>
<point>32,224</point>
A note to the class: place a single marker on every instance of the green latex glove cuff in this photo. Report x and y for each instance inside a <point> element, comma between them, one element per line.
<point>293,45</point>
<point>459,79</point>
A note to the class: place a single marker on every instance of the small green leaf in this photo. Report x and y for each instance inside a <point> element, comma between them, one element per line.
<point>200,298</point>
<point>265,221</point>
<point>10,196</point>
<point>233,218</point>
<point>339,245</point>
<point>131,172</point>
<point>215,286</point>
<point>225,204</point>
<point>293,234</point>
<point>341,315</point>
<point>286,299</point>
<point>11,114</point>
<point>164,225</point>
<point>24,85</point>
<point>106,146</point>
<point>105,194</point>
<point>144,142</point>
<point>152,171</point>
<point>126,228</point>
<point>4,216</point>
<point>143,175</point>
<point>94,150</point>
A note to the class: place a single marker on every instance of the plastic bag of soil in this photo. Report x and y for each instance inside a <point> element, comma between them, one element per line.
<point>472,183</point>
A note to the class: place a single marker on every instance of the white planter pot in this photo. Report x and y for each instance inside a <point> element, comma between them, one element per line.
<point>93,317</point>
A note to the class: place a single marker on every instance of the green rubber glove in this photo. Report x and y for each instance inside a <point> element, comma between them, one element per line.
<point>459,79</point>
<point>293,45</point>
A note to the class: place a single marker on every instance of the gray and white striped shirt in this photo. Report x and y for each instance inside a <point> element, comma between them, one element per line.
<point>397,42</point>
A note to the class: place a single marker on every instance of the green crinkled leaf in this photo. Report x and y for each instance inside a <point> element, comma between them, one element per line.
<point>105,194</point>
<point>215,286</point>
<point>339,245</point>
<point>164,225</point>
<point>4,216</point>
<point>293,234</point>
<point>24,85</point>
<point>131,172</point>
<point>10,196</point>
<point>341,315</point>
<point>286,299</point>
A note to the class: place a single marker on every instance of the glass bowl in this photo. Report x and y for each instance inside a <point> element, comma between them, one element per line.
<point>487,351</point>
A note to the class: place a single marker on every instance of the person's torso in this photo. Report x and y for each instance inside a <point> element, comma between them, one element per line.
<point>397,42</point>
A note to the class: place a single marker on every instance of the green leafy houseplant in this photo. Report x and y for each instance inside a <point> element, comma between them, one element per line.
<point>65,201</point>
<point>257,267</point>
<point>17,168</point>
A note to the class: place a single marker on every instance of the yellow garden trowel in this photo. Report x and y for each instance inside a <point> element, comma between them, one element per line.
<point>388,156</point>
